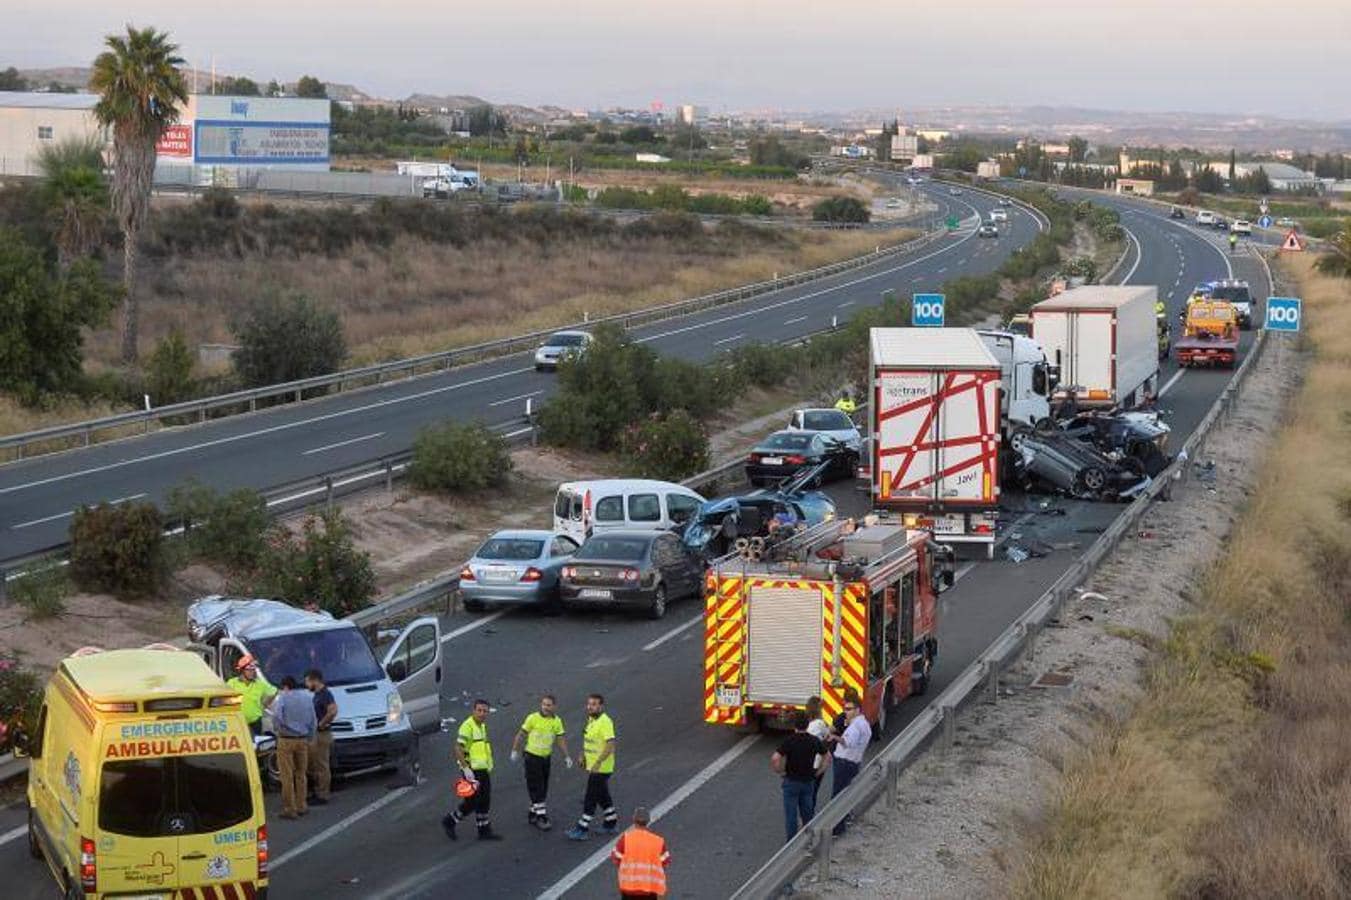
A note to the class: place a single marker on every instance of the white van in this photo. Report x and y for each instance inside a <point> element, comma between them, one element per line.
<point>584,507</point>
<point>1205,217</point>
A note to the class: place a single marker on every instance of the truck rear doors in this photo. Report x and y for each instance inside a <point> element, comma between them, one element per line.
<point>1083,344</point>
<point>937,439</point>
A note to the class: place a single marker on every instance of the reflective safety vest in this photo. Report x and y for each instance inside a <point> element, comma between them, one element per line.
<point>254,695</point>
<point>642,858</point>
<point>846,406</point>
<point>473,737</point>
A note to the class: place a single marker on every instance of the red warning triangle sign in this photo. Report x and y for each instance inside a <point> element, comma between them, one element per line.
<point>1292,242</point>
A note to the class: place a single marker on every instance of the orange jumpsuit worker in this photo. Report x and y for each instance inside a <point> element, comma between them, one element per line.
<point>642,858</point>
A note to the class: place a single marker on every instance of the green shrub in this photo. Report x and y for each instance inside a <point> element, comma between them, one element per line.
<point>601,393</point>
<point>286,338</point>
<point>670,447</point>
<point>321,569</point>
<point>763,365</point>
<point>457,457</point>
<point>1338,260</point>
<point>41,589</point>
<point>1082,267</point>
<point>230,529</point>
<point>20,700</point>
<point>169,373</point>
<point>700,390</point>
<point>841,209</point>
<point>757,205</point>
<point>118,549</point>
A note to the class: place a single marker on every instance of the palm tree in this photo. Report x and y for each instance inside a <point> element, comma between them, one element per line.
<point>76,195</point>
<point>141,91</point>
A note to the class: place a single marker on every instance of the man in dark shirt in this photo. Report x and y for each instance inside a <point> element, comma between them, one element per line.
<point>800,759</point>
<point>325,711</point>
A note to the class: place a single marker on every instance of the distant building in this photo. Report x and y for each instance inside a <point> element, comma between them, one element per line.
<point>988,169</point>
<point>904,146</point>
<point>922,161</point>
<point>1284,177</point>
<point>31,121</point>
<point>689,114</point>
<point>934,134</point>
<point>1141,186</point>
<point>852,151</point>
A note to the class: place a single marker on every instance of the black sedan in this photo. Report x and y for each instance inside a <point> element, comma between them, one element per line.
<point>635,569</point>
<point>786,453</point>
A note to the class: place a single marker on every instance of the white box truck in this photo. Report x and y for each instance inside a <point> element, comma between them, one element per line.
<point>1105,341</point>
<point>935,417</point>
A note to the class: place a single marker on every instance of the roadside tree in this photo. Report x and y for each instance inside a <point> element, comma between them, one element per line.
<point>76,196</point>
<point>141,91</point>
<point>286,338</point>
<point>311,88</point>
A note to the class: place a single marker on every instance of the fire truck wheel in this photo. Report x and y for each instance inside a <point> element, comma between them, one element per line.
<point>882,709</point>
<point>657,608</point>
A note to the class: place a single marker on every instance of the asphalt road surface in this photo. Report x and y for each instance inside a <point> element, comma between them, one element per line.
<point>718,804</point>
<point>285,444</point>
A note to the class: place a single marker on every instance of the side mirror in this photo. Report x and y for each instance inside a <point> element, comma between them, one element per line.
<point>1039,379</point>
<point>397,670</point>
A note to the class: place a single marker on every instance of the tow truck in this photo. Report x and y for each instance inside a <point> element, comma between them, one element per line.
<point>1210,334</point>
<point>845,604</point>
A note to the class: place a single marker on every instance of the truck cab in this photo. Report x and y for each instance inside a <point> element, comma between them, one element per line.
<point>1028,380</point>
<point>382,703</point>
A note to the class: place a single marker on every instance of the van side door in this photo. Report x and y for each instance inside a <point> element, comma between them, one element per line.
<point>413,663</point>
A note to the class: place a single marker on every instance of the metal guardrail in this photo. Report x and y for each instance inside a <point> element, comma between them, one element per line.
<point>83,433</point>
<point>882,773</point>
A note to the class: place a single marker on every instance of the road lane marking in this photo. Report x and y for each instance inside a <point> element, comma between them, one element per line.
<point>683,793</point>
<point>1139,255</point>
<point>477,623</point>
<point>271,429</point>
<point>791,300</point>
<point>355,440</point>
<point>844,304</point>
<point>728,340</point>
<point>795,321</point>
<point>65,515</point>
<point>652,645</point>
<point>13,835</point>
<point>1171,381</point>
<point>514,399</point>
<point>316,840</point>
<point>942,270</point>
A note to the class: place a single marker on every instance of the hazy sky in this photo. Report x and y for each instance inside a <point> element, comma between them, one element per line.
<point>1291,58</point>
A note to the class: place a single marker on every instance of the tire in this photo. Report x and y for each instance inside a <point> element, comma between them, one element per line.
<point>73,890</point>
<point>553,604</point>
<point>657,608</point>
<point>883,709</point>
<point>271,772</point>
<point>1017,435</point>
<point>473,606</point>
<point>1093,479</point>
<point>34,846</point>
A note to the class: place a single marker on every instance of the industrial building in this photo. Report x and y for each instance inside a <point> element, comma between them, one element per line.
<point>215,136</point>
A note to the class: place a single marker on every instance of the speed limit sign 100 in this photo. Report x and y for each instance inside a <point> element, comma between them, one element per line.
<point>1283,313</point>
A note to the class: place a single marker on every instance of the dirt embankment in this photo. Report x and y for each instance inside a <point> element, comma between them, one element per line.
<point>956,833</point>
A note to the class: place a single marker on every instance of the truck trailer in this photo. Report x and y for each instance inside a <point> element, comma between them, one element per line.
<point>838,606</point>
<point>935,420</point>
<point>1105,341</point>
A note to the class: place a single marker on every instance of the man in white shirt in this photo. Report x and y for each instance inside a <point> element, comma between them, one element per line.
<point>849,748</point>
<point>818,728</point>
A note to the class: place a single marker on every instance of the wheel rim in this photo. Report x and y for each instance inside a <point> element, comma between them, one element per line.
<point>659,602</point>
<point>1094,479</point>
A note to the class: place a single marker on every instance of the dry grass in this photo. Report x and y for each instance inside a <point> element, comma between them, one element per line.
<point>16,418</point>
<point>1232,777</point>
<point>418,297</point>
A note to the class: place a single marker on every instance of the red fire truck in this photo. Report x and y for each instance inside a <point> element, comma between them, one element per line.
<point>841,605</point>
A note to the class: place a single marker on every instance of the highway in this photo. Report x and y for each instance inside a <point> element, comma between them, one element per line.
<point>719,805</point>
<point>284,444</point>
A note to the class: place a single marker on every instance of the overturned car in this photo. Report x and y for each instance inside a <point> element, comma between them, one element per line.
<point>1095,456</point>
<point>719,527</point>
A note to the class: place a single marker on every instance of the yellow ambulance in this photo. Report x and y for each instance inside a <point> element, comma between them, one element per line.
<point>144,781</point>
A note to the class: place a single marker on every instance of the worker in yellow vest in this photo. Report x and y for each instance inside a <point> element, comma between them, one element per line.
<point>598,758</point>
<point>846,403</point>
<point>474,754</point>
<point>642,858</point>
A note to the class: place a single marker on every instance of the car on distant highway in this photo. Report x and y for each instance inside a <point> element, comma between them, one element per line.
<point>1235,292</point>
<point>999,214</point>
<point>786,453</point>
<point>831,422</point>
<point>1241,226</point>
<point>1221,223</point>
<point>1205,217</point>
<point>517,567</point>
<point>1287,222</point>
<point>559,346</point>
<point>1005,201</point>
<point>989,229</point>
<point>1176,213</point>
<point>642,570</point>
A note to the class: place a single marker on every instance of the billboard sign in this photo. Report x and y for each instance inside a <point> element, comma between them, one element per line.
<point>244,143</point>
<point>176,141</point>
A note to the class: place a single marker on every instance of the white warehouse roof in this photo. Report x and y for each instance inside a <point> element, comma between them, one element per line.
<point>46,100</point>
